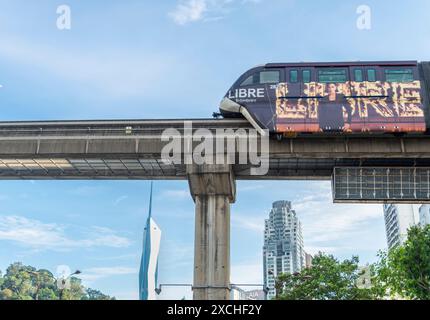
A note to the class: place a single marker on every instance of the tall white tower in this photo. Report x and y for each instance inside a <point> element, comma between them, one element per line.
<point>283,250</point>
<point>148,276</point>
<point>398,219</point>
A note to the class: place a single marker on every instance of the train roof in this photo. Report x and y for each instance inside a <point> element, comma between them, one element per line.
<point>342,64</point>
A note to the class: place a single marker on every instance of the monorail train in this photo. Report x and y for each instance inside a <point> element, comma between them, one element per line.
<point>346,97</point>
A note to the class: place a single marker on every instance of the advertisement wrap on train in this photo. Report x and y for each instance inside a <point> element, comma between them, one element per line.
<point>351,97</point>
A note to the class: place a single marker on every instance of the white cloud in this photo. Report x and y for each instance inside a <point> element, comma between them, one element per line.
<point>104,237</point>
<point>313,250</point>
<point>51,236</point>
<point>119,200</point>
<point>128,256</point>
<point>176,267</point>
<point>338,221</point>
<point>247,222</point>
<point>176,194</point>
<point>92,274</point>
<point>189,11</point>
<point>247,273</point>
<point>115,73</point>
<point>327,227</point>
<point>175,254</point>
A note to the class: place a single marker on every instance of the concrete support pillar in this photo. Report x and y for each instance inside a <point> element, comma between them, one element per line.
<point>213,188</point>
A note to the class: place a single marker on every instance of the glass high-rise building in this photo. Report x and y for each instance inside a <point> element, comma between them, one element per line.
<point>148,275</point>
<point>283,250</point>
<point>398,219</point>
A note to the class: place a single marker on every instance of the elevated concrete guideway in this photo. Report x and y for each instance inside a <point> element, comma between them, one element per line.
<point>132,149</point>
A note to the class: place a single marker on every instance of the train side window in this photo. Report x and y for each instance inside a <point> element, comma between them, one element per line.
<point>269,77</point>
<point>371,75</point>
<point>399,75</point>
<point>252,79</point>
<point>294,76</point>
<point>358,75</point>
<point>306,75</point>
<point>332,75</point>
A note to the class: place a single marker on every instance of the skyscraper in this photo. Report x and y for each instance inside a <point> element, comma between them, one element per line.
<point>283,250</point>
<point>398,219</point>
<point>424,215</point>
<point>148,275</point>
<point>308,260</point>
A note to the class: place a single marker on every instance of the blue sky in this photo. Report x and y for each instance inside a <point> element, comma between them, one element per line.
<point>173,59</point>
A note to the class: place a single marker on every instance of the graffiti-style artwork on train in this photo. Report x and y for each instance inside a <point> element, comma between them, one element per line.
<point>350,107</point>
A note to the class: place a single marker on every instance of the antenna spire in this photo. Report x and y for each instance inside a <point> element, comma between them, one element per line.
<point>150,200</point>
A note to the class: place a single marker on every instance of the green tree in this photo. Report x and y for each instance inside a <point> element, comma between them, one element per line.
<point>75,290</point>
<point>44,284</point>
<point>404,271</point>
<point>47,294</point>
<point>17,282</point>
<point>6,294</point>
<point>93,294</point>
<point>22,282</point>
<point>327,279</point>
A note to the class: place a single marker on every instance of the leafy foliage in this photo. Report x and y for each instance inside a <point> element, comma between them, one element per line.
<point>22,282</point>
<point>404,271</point>
<point>401,273</point>
<point>93,294</point>
<point>327,279</point>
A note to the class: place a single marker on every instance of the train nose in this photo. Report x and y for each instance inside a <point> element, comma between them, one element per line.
<point>229,105</point>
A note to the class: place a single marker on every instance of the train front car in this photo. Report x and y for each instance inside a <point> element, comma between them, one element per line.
<point>352,97</point>
<point>253,96</point>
